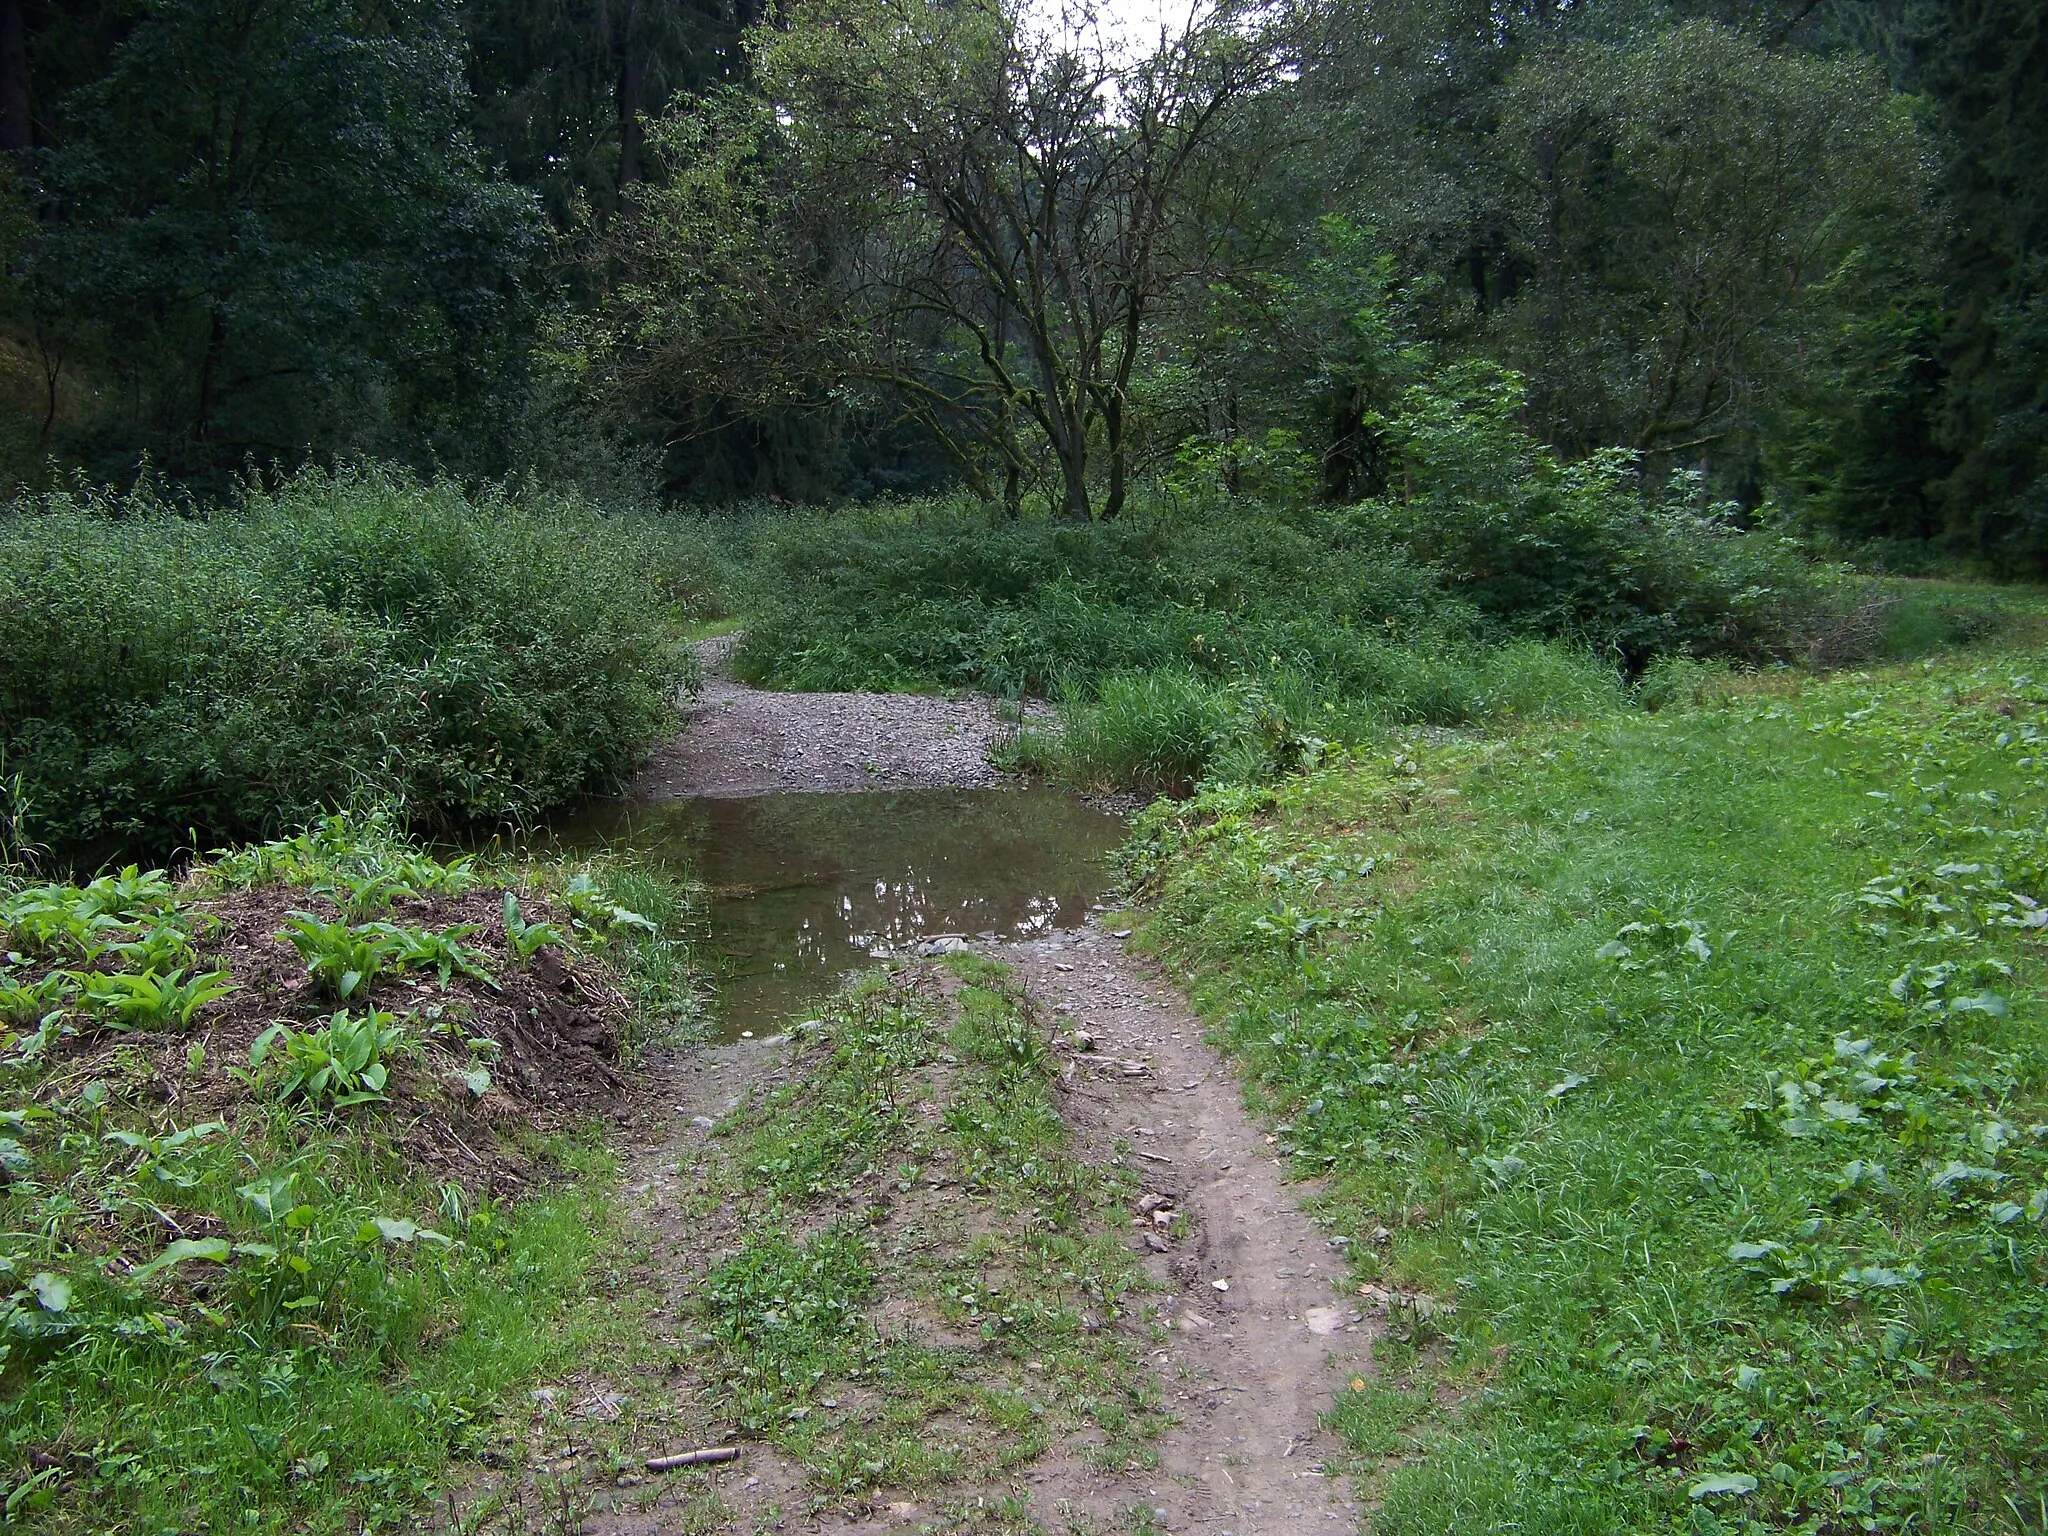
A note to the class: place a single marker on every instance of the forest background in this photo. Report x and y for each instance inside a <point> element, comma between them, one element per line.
<point>657,247</point>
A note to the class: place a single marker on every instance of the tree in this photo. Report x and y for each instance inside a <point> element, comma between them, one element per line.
<point>565,88</point>
<point>269,228</point>
<point>924,200</point>
<point>1676,196</point>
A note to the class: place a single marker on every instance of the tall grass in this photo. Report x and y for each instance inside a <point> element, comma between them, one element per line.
<point>474,656</point>
<point>1679,1078</point>
<point>1169,729</point>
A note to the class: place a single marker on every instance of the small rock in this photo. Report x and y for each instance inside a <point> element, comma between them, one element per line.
<point>1152,1203</point>
<point>1162,1218</point>
<point>1156,1243</point>
<point>1121,933</point>
<point>1083,1041</point>
<point>1221,1285</point>
<point>545,1396</point>
<point>702,1122</point>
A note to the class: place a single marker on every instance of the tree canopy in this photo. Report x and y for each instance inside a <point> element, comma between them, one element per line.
<point>847,246</point>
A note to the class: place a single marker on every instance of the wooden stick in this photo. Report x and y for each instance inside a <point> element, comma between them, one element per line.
<point>708,1455</point>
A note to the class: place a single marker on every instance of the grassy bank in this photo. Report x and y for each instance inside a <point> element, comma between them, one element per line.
<point>1682,1078</point>
<point>1199,639</point>
<point>296,1180</point>
<point>471,657</point>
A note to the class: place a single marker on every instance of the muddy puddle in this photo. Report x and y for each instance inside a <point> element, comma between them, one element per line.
<point>802,888</point>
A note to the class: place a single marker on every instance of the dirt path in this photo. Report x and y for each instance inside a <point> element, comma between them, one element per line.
<point>750,741</point>
<point>1262,1336</point>
<point>1255,1333</point>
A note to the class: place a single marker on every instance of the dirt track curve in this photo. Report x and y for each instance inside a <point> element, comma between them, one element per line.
<point>1262,1335</point>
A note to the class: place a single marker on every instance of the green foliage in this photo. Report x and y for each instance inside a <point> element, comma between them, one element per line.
<point>347,637</point>
<point>124,1001</point>
<point>1680,1077</point>
<point>338,1065</point>
<point>343,960</point>
<point>271,224</point>
<point>890,1102</point>
<point>639,917</point>
<point>787,1313</point>
<point>936,595</point>
<point>1552,548</point>
<point>443,952</point>
<point>527,939</point>
<point>265,1296</point>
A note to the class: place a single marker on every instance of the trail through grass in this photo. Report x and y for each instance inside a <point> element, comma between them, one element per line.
<point>1682,1076</point>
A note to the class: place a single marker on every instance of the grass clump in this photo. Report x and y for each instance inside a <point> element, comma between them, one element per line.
<point>1169,730</point>
<point>1680,1080</point>
<point>347,636</point>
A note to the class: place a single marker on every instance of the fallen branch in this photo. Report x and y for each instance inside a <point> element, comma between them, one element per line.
<point>705,1457</point>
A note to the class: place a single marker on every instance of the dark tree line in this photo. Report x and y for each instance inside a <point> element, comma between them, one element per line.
<point>1795,247</point>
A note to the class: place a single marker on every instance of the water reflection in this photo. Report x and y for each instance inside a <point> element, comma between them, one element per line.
<point>801,888</point>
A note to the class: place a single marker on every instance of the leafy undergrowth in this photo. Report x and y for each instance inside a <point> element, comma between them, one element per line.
<point>476,657</point>
<point>1680,1079</point>
<point>922,1286</point>
<point>295,1183</point>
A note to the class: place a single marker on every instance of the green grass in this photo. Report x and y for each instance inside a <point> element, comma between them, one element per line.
<point>1681,1076</point>
<point>923,1286</point>
<point>1170,729</point>
<point>225,1307</point>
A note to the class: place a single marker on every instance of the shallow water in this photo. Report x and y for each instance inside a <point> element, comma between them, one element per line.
<point>802,888</point>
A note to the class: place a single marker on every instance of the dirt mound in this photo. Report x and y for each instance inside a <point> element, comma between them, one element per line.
<point>553,1023</point>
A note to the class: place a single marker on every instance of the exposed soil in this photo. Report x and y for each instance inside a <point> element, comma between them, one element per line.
<point>555,1022</point>
<point>1262,1333</point>
<point>750,741</point>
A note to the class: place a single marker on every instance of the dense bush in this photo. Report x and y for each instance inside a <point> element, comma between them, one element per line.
<point>936,594</point>
<point>1541,547</point>
<point>476,657</point>
<point>1167,729</point>
<point>1485,538</point>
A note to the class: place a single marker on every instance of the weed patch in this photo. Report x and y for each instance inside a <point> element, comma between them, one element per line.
<point>348,637</point>
<point>269,1263</point>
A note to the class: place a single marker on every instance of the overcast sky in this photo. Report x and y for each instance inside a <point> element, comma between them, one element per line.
<point>1124,24</point>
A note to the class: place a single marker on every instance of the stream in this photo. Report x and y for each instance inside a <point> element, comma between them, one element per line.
<point>801,888</point>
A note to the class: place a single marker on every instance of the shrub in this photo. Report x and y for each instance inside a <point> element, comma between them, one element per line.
<point>1170,730</point>
<point>350,635</point>
<point>1490,541</point>
<point>1541,547</point>
<point>937,595</point>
